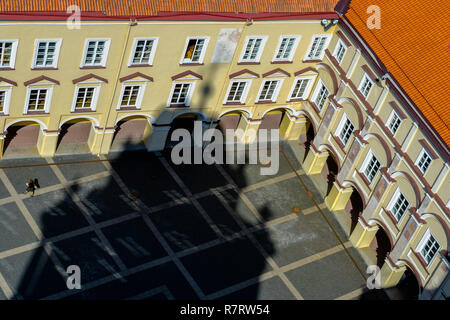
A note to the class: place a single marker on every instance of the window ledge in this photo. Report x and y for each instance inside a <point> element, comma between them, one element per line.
<point>142,65</point>
<point>3,114</point>
<point>178,106</point>
<point>315,107</point>
<point>191,64</point>
<point>93,67</point>
<point>233,104</point>
<point>265,102</point>
<point>392,217</point>
<point>82,110</point>
<point>128,108</point>
<point>6,68</point>
<point>339,142</point>
<point>296,100</point>
<point>312,60</point>
<point>243,63</point>
<point>281,62</point>
<point>44,68</point>
<point>364,179</point>
<point>36,112</point>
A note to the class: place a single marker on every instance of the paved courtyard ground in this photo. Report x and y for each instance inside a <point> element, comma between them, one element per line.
<point>140,227</point>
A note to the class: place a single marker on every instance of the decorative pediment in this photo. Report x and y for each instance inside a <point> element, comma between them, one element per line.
<point>276,73</point>
<point>89,78</point>
<point>306,71</point>
<point>41,80</point>
<point>4,81</point>
<point>187,75</point>
<point>137,76</point>
<point>244,74</point>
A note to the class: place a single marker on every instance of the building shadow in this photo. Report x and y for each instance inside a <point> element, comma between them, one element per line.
<point>150,230</point>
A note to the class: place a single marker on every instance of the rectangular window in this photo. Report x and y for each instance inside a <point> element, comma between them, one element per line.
<point>346,131</point>
<point>36,100</point>
<point>400,206</point>
<point>46,53</point>
<point>268,91</point>
<point>2,100</point>
<point>286,48</point>
<point>130,96</point>
<point>430,249</point>
<point>253,49</point>
<point>394,122</point>
<point>321,97</point>
<point>85,98</point>
<point>96,53</point>
<point>365,85</point>
<point>339,51</point>
<point>372,168</point>
<point>7,53</point>
<point>236,91</point>
<point>144,50</point>
<point>299,91</point>
<point>180,93</point>
<point>317,48</point>
<point>194,51</point>
<point>424,161</point>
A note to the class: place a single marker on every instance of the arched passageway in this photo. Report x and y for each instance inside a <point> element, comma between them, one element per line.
<point>307,139</point>
<point>75,136</point>
<point>329,172</point>
<point>131,134</point>
<point>22,139</point>
<point>380,246</point>
<point>354,207</point>
<point>184,121</point>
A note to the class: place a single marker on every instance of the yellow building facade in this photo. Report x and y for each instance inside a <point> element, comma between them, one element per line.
<point>114,81</point>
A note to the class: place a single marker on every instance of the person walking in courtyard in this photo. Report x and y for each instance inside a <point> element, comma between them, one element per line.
<point>31,187</point>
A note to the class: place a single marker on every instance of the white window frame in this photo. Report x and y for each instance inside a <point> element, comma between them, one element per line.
<point>7,102</point>
<point>423,242</point>
<point>48,98</point>
<point>12,63</point>
<point>393,202</point>
<point>365,164</point>
<point>293,49</point>
<point>202,54</point>
<point>421,154</point>
<point>360,87</point>
<point>152,52</point>
<point>325,46</point>
<point>105,52</point>
<point>244,95</point>
<point>391,117</point>
<point>275,92</point>
<point>56,54</point>
<point>336,50</point>
<point>260,50</point>
<point>139,97</point>
<point>317,90</point>
<point>340,129</point>
<point>307,89</point>
<point>94,96</point>
<point>188,96</point>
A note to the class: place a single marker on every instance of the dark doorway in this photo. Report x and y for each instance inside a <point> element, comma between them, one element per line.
<point>329,172</point>
<point>354,208</point>
<point>182,122</point>
<point>408,286</point>
<point>309,138</point>
<point>381,245</point>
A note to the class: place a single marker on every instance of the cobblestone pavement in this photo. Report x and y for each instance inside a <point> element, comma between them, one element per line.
<point>140,227</point>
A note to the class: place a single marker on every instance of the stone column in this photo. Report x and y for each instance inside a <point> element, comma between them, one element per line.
<point>47,142</point>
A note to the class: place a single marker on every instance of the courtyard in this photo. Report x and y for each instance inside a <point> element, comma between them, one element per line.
<point>140,227</point>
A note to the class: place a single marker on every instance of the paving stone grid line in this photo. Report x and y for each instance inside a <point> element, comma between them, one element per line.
<point>143,210</point>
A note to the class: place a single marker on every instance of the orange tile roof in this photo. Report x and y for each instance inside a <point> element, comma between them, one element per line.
<point>152,7</point>
<point>413,44</point>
